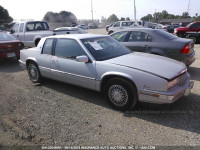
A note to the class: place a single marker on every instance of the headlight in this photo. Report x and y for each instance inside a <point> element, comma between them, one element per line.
<point>172,83</point>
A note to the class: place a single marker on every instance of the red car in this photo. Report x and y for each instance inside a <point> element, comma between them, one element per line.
<point>9,46</point>
<point>192,27</point>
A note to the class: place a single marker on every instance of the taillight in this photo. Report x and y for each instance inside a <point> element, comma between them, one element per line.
<point>186,49</point>
<point>3,46</point>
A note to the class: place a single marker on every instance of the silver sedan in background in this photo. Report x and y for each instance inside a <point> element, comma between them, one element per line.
<point>157,42</point>
<point>100,63</point>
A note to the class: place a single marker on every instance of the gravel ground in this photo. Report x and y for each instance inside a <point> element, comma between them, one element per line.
<point>58,114</point>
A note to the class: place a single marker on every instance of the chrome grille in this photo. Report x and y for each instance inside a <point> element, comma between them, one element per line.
<point>182,79</point>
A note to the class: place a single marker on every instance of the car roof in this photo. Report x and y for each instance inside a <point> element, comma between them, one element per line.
<point>139,29</point>
<point>78,36</point>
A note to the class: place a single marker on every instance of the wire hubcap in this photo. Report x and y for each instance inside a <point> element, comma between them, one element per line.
<point>118,95</point>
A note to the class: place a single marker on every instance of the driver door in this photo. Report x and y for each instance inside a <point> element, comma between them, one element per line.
<point>64,66</point>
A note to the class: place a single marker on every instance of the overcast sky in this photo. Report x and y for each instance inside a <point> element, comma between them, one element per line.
<point>36,9</point>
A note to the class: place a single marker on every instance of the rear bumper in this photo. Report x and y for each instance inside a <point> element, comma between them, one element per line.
<point>4,55</point>
<point>166,97</point>
<point>22,64</point>
<point>189,59</point>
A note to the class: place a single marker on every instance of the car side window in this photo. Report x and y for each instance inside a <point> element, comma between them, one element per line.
<point>119,36</point>
<point>196,25</point>
<point>68,48</point>
<point>21,27</point>
<point>47,48</point>
<point>136,36</point>
<point>117,24</point>
<point>126,24</point>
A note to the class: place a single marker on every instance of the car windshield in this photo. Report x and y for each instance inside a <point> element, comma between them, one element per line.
<point>34,26</point>
<point>189,25</point>
<point>166,34</point>
<point>104,48</point>
<point>6,37</point>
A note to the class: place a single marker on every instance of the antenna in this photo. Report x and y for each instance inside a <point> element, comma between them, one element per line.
<point>92,10</point>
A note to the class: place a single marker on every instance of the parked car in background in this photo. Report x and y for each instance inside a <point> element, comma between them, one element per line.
<point>30,32</point>
<point>74,24</point>
<point>100,63</point>
<point>92,26</point>
<point>192,27</point>
<point>110,25</point>
<point>170,28</point>
<point>68,30</point>
<point>160,26</point>
<point>157,42</point>
<point>9,46</point>
<point>119,26</point>
<point>6,27</point>
<point>193,35</point>
<point>82,26</point>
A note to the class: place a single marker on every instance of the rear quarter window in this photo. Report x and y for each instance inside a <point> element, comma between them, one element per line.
<point>47,48</point>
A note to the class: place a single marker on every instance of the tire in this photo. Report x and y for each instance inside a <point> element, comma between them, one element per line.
<point>18,57</point>
<point>120,94</point>
<point>37,41</point>
<point>110,32</point>
<point>34,73</point>
<point>198,40</point>
<point>194,39</point>
<point>181,34</point>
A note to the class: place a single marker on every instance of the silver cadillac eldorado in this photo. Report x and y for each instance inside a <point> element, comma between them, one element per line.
<point>100,63</point>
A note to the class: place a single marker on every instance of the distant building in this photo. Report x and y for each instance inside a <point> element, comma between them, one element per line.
<point>183,22</point>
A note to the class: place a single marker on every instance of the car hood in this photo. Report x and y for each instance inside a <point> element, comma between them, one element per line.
<point>157,65</point>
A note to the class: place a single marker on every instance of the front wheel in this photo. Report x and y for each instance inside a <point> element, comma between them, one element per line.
<point>120,94</point>
<point>110,32</point>
<point>34,73</point>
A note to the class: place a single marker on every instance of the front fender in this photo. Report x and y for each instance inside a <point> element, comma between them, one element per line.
<point>111,74</point>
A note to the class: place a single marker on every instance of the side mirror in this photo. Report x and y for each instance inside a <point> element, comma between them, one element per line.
<point>12,31</point>
<point>82,58</point>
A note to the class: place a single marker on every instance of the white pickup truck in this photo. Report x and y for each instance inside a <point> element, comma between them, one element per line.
<point>30,32</point>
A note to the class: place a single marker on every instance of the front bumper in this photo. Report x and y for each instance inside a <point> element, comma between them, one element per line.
<point>166,97</point>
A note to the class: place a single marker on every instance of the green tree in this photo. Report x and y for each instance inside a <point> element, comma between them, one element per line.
<point>4,16</point>
<point>122,19</point>
<point>185,15</point>
<point>164,14</point>
<point>61,17</point>
<point>112,18</point>
<point>147,17</point>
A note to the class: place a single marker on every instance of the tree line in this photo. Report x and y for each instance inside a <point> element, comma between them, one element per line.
<point>157,16</point>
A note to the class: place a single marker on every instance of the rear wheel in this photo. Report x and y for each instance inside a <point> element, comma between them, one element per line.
<point>198,40</point>
<point>193,38</point>
<point>34,73</point>
<point>18,57</point>
<point>181,34</point>
<point>120,94</point>
<point>37,41</point>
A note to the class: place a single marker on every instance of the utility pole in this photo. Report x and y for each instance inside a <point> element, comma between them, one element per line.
<point>135,12</point>
<point>92,10</point>
<point>188,10</point>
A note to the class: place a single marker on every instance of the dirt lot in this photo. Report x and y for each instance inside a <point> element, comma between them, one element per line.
<point>58,114</point>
